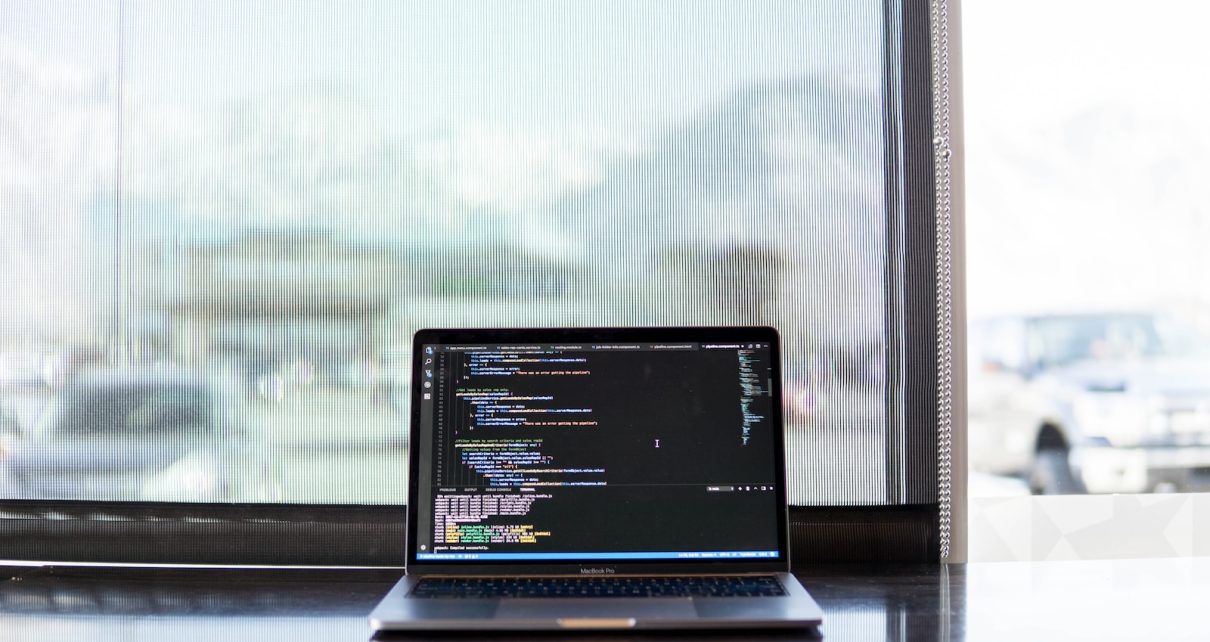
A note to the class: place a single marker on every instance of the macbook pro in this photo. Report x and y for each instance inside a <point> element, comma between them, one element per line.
<point>596,479</point>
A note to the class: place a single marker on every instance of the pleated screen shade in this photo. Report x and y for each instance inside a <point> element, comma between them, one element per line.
<point>224,221</point>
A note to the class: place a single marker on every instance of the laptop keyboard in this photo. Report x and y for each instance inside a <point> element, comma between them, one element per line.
<point>695,586</point>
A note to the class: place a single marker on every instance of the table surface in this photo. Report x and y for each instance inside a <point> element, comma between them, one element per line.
<point>1164,599</point>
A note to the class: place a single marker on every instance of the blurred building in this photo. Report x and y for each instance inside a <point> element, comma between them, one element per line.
<point>260,299</point>
<point>264,297</point>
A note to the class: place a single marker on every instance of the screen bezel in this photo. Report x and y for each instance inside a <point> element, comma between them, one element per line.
<point>754,334</point>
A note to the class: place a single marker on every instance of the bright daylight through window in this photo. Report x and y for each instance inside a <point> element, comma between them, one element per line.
<point>1088,222</point>
<point>223,221</point>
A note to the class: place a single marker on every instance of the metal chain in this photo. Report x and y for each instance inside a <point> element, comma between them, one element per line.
<point>939,19</point>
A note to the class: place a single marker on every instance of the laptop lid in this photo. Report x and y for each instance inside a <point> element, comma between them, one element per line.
<point>596,451</point>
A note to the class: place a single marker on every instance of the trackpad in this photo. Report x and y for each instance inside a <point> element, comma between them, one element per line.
<point>570,610</point>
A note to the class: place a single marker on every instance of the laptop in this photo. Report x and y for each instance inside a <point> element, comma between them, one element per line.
<point>601,478</point>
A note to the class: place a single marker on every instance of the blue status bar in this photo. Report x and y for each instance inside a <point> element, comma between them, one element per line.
<point>654,555</point>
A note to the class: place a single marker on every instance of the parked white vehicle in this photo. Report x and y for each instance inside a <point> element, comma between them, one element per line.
<point>141,434</point>
<point>1096,403</point>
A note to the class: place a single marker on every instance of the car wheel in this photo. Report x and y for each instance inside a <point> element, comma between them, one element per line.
<point>1051,474</point>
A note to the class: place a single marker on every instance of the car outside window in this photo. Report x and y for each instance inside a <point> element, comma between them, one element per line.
<point>1086,226</point>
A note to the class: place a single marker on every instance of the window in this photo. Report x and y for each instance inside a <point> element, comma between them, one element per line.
<point>232,217</point>
<point>1088,304</point>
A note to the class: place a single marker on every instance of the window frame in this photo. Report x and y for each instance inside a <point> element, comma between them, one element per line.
<point>909,529</point>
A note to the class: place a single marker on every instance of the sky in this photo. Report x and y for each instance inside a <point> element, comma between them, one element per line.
<point>485,93</point>
<point>425,66</point>
<point>1086,145</point>
<point>1086,154</point>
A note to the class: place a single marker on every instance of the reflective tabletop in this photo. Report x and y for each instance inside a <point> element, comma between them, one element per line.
<point>1165,599</point>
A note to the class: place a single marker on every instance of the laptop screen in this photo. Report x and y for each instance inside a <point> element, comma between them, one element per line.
<point>597,450</point>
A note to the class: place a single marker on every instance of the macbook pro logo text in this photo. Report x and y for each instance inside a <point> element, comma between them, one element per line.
<point>596,571</point>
